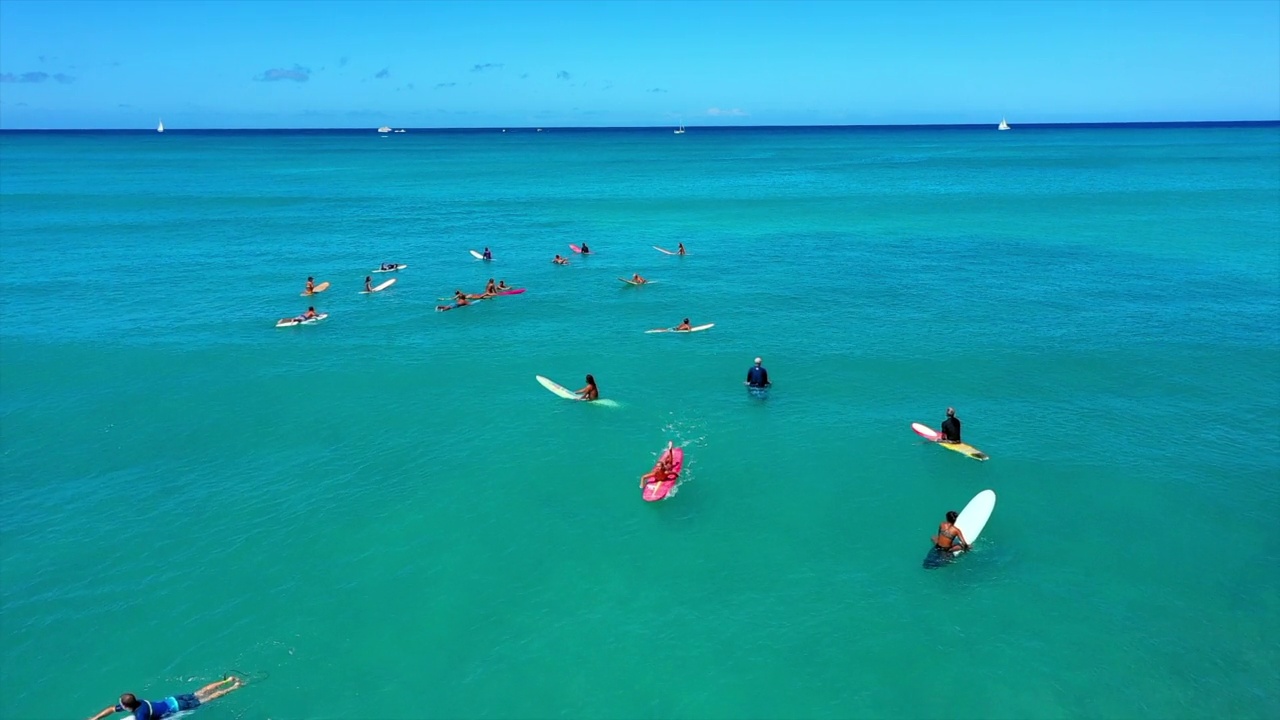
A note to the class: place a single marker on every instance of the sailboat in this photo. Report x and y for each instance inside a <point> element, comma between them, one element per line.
<point>160,127</point>
<point>1003,125</point>
<point>384,129</point>
<point>680,130</point>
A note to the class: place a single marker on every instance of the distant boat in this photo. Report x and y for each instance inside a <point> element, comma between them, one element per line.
<point>680,130</point>
<point>400,131</point>
<point>539,129</point>
<point>384,129</point>
<point>160,127</point>
<point>1003,125</point>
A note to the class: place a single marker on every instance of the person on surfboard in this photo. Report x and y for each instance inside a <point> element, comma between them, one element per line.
<point>459,300</point>
<point>680,249</point>
<point>757,376</point>
<point>949,536</point>
<point>503,286</point>
<point>590,392</point>
<point>635,278</point>
<point>310,313</point>
<point>950,431</point>
<point>311,286</point>
<point>585,250</point>
<point>368,283</point>
<point>487,255</point>
<point>149,709</point>
<point>663,470</point>
<point>559,260</point>
<point>683,326</point>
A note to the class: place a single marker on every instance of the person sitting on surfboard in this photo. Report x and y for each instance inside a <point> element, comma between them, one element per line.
<point>585,250</point>
<point>757,376</point>
<point>311,285</point>
<point>680,249</point>
<point>368,283</point>
<point>559,260</point>
<point>487,255</point>
<point>590,392</point>
<point>635,278</point>
<point>949,536</point>
<point>661,471</point>
<point>503,286</point>
<point>684,325</point>
<point>950,431</point>
<point>148,709</point>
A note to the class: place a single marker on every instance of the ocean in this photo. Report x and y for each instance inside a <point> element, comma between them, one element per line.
<point>384,515</point>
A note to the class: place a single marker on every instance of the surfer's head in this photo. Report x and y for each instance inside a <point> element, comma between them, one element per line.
<point>952,515</point>
<point>685,321</point>
<point>129,701</point>
<point>951,412</point>
<point>590,380</point>
<point>311,308</point>
<point>758,361</point>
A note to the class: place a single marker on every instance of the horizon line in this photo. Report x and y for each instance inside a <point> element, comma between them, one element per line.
<point>736,126</point>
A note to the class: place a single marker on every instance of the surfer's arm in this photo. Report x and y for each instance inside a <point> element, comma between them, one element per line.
<point>106,712</point>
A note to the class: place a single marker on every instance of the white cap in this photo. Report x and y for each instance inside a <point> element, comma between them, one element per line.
<point>757,361</point>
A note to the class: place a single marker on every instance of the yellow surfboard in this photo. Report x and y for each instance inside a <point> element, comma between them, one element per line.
<point>317,289</point>
<point>965,449</point>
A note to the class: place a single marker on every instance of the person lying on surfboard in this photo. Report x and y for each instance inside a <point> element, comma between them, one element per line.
<point>660,472</point>
<point>459,300</point>
<point>949,536</point>
<point>310,313</point>
<point>950,431</point>
<point>590,392</point>
<point>559,260</point>
<point>635,278</point>
<point>680,249</point>
<point>172,705</point>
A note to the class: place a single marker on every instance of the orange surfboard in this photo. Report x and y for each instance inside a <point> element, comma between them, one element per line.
<point>317,289</point>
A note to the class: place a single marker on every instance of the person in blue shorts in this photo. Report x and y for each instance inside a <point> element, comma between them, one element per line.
<point>155,709</point>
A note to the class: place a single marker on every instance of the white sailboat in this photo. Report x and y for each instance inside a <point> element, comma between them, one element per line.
<point>160,127</point>
<point>1003,125</point>
<point>680,130</point>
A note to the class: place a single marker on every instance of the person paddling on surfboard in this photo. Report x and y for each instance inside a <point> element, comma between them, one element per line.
<point>310,313</point>
<point>950,431</point>
<point>590,392</point>
<point>661,471</point>
<point>949,536</point>
<point>559,260</point>
<point>459,300</point>
<point>757,376</point>
<point>148,709</point>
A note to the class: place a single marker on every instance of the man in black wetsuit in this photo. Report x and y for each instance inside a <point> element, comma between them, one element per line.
<point>950,431</point>
<point>757,376</point>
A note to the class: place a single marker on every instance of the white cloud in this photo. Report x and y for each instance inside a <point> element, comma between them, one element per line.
<point>735,112</point>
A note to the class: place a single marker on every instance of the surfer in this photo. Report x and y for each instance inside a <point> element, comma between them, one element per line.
<point>488,255</point>
<point>459,300</point>
<point>311,286</point>
<point>680,249</point>
<point>368,283</point>
<point>388,266</point>
<point>148,709</point>
<point>661,471</point>
<point>585,250</point>
<point>684,326</point>
<point>503,286</point>
<point>635,278</point>
<point>949,536</point>
<point>950,432</point>
<point>590,392</point>
<point>559,260</point>
<point>310,313</point>
<point>757,376</point>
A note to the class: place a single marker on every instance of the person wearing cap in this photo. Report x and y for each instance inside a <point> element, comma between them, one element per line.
<point>950,432</point>
<point>757,376</point>
<point>149,709</point>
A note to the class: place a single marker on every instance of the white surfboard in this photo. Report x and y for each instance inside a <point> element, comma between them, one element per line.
<point>975,515</point>
<point>397,268</point>
<point>476,255</point>
<point>567,394</point>
<point>668,252</point>
<point>698,328</point>
<point>294,322</point>
<point>380,288</point>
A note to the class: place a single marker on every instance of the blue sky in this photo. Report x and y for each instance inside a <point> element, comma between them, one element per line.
<point>232,64</point>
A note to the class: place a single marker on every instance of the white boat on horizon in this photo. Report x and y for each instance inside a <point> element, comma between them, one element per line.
<point>384,129</point>
<point>400,131</point>
<point>1003,125</point>
<point>680,130</point>
<point>160,127</point>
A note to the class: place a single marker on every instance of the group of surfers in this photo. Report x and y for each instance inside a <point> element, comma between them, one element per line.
<point>491,289</point>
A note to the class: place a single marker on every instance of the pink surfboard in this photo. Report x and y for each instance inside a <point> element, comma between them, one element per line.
<point>517,291</point>
<point>576,249</point>
<point>925,432</point>
<point>659,490</point>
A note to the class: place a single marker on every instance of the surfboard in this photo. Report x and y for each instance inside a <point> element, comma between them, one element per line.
<point>558,389</point>
<point>932,435</point>
<point>577,249</point>
<point>659,490</point>
<point>698,328</point>
<point>293,321</point>
<point>636,284</point>
<point>514,291</point>
<point>971,521</point>
<point>669,252</point>
<point>397,268</point>
<point>380,288</point>
<point>321,287</point>
<point>476,255</point>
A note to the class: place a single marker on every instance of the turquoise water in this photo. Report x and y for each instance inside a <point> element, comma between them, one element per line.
<point>384,515</point>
